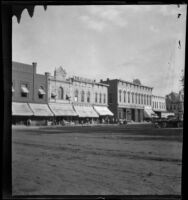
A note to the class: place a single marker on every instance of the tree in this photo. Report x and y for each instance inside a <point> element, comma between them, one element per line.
<point>137,81</point>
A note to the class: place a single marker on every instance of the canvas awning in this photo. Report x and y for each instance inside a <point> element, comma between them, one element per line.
<point>53,94</point>
<point>85,111</point>
<point>103,111</point>
<point>148,113</point>
<point>24,89</point>
<point>41,91</point>
<point>40,109</point>
<point>21,109</point>
<point>60,109</point>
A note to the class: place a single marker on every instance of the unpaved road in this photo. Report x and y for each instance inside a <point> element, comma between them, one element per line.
<point>131,160</point>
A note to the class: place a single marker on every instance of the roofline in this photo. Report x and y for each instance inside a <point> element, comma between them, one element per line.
<point>129,83</point>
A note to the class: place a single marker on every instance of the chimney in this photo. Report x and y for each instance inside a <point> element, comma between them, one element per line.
<point>34,67</point>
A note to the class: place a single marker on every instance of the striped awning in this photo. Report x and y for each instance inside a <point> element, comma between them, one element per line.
<point>103,111</point>
<point>24,89</point>
<point>41,91</point>
<point>40,109</point>
<point>148,113</point>
<point>62,109</point>
<point>21,109</point>
<point>85,111</point>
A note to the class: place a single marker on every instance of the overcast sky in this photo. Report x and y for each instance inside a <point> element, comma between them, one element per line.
<point>98,42</point>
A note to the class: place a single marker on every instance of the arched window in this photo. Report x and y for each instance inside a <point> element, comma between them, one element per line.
<point>76,95</point>
<point>119,95</point>
<point>124,96</point>
<point>100,98</point>
<point>61,93</point>
<point>128,97</point>
<point>82,96</point>
<point>96,97</point>
<point>132,97</point>
<point>104,100</point>
<point>88,97</point>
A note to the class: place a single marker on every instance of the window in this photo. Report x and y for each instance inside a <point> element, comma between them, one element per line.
<point>88,97</point>
<point>41,92</point>
<point>24,90</point>
<point>136,98</point>
<point>128,97</point>
<point>104,98</point>
<point>76,95</point>
<point>60,93</point>
<point>124,96</point>
<point>100,98</point>
<point>82,96</point>
<point>132,97</point>
<point>96,97</point>
<point>119,95</point>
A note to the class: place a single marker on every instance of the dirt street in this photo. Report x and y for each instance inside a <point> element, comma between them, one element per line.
<point>136,159</point>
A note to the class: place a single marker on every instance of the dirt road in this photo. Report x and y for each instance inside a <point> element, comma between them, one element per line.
<point>96,160</point>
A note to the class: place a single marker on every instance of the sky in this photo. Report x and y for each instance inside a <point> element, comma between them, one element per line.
<point>99,42</point>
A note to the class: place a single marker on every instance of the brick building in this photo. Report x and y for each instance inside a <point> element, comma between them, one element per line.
<point>85,98</point>
<point>127,100</point>
<point>29,94</point>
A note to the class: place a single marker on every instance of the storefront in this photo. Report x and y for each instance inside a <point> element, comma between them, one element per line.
<point>41,114</point>
<point>86,114</point>
<point>149,114</point>
<point>104,113</point>
<point>63,111</point>
<point>21,112</point>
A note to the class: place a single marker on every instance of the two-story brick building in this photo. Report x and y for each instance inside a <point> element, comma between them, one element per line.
<point>127,100</point>
<point>82,98</point>
<point>29,93</point>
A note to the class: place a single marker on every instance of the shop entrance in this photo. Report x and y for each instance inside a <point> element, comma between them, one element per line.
<point>133,114</point>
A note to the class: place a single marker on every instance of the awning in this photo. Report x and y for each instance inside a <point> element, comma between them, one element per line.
<point>148,113</point>
<point>40,109</point>
<point>53,94</point>
<point>24,89</point>
<point>85,111</point>
<point>41,91</point>
<point>60,109</point>
<point>21,109</point>
<point>166,114</point>
<point>103,111</point>
<point>13,89</point>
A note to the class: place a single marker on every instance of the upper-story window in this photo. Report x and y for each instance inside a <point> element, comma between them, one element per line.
<point>41,92</point>
<point>132,97</point>
<point>88,97</point>
<point>76,95</point>
<point>100,98</point>
<point>82,96</point>
<point>96,97</point>
<point>104,100</point>
<point>142,99</point>
<point>128,97</point>
<point>119,95</point>
<point>124,94</point>
<point>136,98</point>
<point>24,90</point>
<point>60,93</point>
